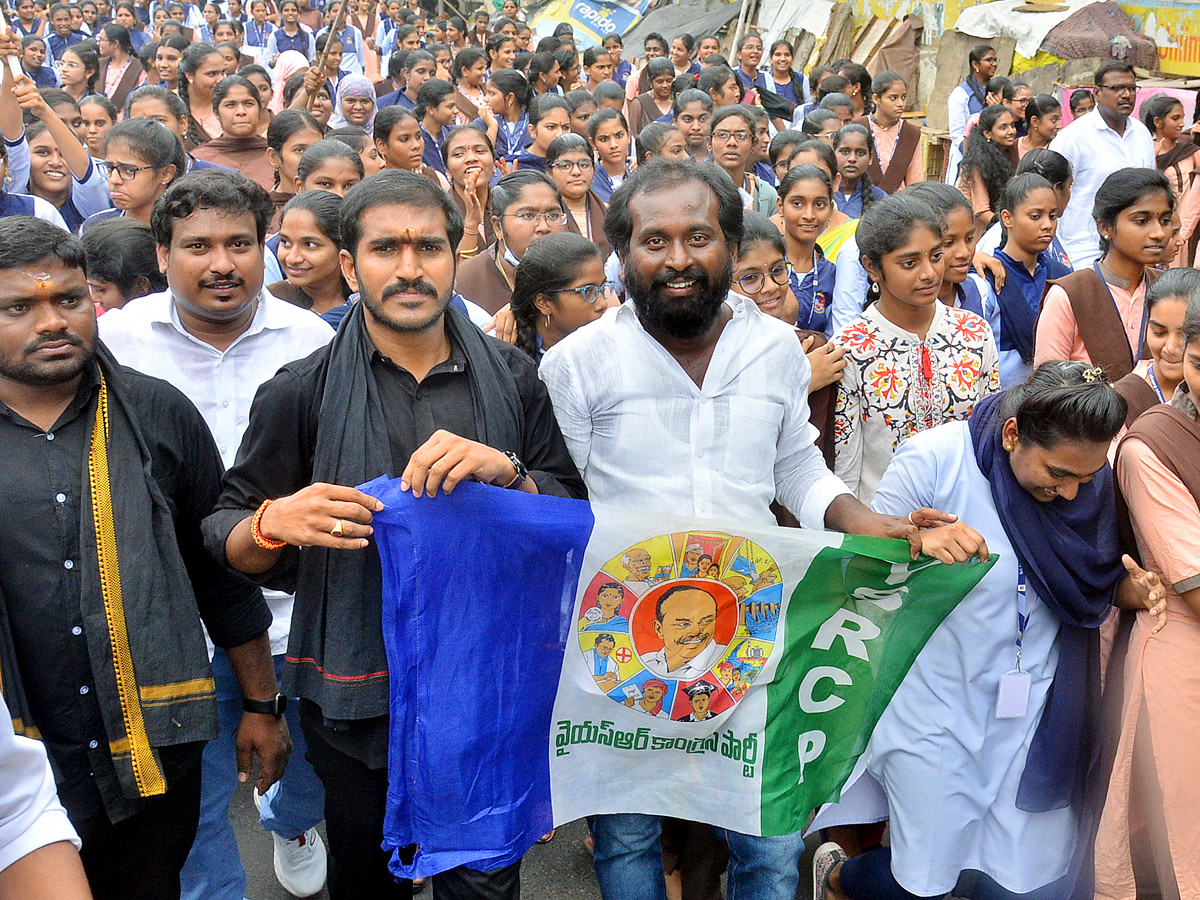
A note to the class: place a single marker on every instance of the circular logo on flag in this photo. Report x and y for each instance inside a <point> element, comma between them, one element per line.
<point>679,626</point>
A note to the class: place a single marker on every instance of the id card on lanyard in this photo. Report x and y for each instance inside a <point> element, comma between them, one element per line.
<point>1012,700</point>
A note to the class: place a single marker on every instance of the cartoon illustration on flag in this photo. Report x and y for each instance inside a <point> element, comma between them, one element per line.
<point>564,659</point>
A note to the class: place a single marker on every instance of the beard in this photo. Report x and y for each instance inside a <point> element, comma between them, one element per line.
<point>50,372</point>
<point>385,317</point>
<point>680,319</point>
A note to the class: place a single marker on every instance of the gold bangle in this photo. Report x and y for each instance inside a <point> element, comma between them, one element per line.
<point>467,254</point>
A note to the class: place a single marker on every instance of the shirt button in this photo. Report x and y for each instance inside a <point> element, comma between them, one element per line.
<point>84,689</point>
<point>77,631</point>
<point>225,403</point>
<point>50,436</point>
<point>68,563</point>
<point>60,497</point>
<point>93,744</point>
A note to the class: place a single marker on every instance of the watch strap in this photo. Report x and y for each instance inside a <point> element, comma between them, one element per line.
<point>275,707</point>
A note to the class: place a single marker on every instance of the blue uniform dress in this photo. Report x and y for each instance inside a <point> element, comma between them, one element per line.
<point>814,292</point>
<point>1013,310</point>
<point>852,204</point>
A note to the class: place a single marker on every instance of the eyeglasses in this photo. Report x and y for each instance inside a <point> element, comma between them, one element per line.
<point>532,218</point>
<point>742,137</point>
<point>566,165</point>
<point>589,292</point>
<point>754,281</point>
<point>123,171</point>
<point>1120,88</point>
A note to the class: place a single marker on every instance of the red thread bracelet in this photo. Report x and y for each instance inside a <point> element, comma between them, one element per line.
<point>259,538</point>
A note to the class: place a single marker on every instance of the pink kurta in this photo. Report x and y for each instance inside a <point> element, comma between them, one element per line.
<point>1161,682</point>
<point>1058,336</point>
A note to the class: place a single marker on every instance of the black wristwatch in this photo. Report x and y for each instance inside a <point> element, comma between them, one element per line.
<point>275,707</point>
<point>522,472</point>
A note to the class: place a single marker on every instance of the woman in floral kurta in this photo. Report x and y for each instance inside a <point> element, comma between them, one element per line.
<point>899,382</point>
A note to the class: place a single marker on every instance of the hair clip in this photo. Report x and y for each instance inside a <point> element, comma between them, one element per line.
<point>1093,374</point>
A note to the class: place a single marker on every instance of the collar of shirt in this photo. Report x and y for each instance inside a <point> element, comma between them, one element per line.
<point>89,383</point>
<point>164,311</point>
<point>455,363</point>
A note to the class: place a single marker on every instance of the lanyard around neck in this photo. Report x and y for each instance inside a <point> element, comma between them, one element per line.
<point>1022,611</point>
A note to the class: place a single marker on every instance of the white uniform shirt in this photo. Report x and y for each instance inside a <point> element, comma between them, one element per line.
<point>939,763</point>
<point>644,435</point>
<point>146,335</point>
<point>1095,151</point>
<point>30,814</point>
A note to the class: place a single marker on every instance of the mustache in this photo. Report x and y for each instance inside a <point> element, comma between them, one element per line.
<point>409,286</point>
<point>62,337</point>
<point>222,281</point>
<point>691,273</point>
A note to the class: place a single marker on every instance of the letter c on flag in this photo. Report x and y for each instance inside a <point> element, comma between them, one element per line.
<point>810,704</point>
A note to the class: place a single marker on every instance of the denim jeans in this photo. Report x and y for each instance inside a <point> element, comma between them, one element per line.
<point>295,804</point>
<point>628,860</point>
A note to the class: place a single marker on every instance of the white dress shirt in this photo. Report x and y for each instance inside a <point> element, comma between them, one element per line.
<point>146,334</point>
<point>30,814</point>
<point>1095,151</point>
<point>644,435</point>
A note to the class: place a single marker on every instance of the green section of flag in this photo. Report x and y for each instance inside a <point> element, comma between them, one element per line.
<point>864,598</point>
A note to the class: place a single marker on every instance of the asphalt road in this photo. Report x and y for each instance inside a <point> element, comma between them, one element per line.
<point>561,870</point>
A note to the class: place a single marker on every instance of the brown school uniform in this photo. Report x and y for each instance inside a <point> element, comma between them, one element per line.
<point>482,280</point>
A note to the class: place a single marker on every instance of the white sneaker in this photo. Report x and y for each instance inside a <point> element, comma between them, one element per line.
<point>300,864</point>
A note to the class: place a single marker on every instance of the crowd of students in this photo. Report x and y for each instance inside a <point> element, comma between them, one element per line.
<point>240,177</point>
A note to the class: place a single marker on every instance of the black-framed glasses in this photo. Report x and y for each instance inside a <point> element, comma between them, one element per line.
<point>753,282</point>
<point>742,137</point>
<point>566,165</point>
<point>531,218</point>
<point>123,171</point>
<point>1120,88</point>
<point>589,292</point>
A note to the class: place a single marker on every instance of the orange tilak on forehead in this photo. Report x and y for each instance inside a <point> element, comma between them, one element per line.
<point>42,281</point>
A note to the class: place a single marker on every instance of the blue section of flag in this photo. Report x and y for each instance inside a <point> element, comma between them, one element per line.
<point>475,621</point>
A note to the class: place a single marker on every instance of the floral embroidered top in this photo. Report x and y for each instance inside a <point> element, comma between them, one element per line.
<point>895,385</point>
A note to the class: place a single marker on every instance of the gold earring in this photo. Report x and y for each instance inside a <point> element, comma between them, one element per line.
<point>547,320</point>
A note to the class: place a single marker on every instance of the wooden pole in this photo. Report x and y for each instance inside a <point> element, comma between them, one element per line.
<point>335,31</point>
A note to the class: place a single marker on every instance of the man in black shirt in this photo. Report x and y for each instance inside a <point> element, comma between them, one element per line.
<point>407,387</point>
<point>107,475</point>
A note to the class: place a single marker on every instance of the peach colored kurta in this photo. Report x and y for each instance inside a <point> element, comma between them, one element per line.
<point>1162,683</point>
<point>1058,335</point>
<point>885,148</point>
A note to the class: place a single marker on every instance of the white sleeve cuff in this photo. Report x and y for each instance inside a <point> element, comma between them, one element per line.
<point>817,500</point>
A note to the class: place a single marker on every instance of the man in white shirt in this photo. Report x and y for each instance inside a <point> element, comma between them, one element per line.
<point>39,850</point>
<point>1096,145</point>
<point>217,335</point>
<point>688,399</point>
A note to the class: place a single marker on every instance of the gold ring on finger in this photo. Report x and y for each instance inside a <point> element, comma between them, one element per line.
<point>336,530</point>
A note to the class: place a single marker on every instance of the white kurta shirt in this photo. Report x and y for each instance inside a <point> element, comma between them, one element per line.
<point>146,334</point>
<point>1095,151</point>
<point>643,434</point>
<point>30,814</point>
<point>939,763</point>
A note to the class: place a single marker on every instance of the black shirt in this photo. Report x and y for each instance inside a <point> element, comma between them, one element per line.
<point>42,476</point>
<point>276,459</point>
